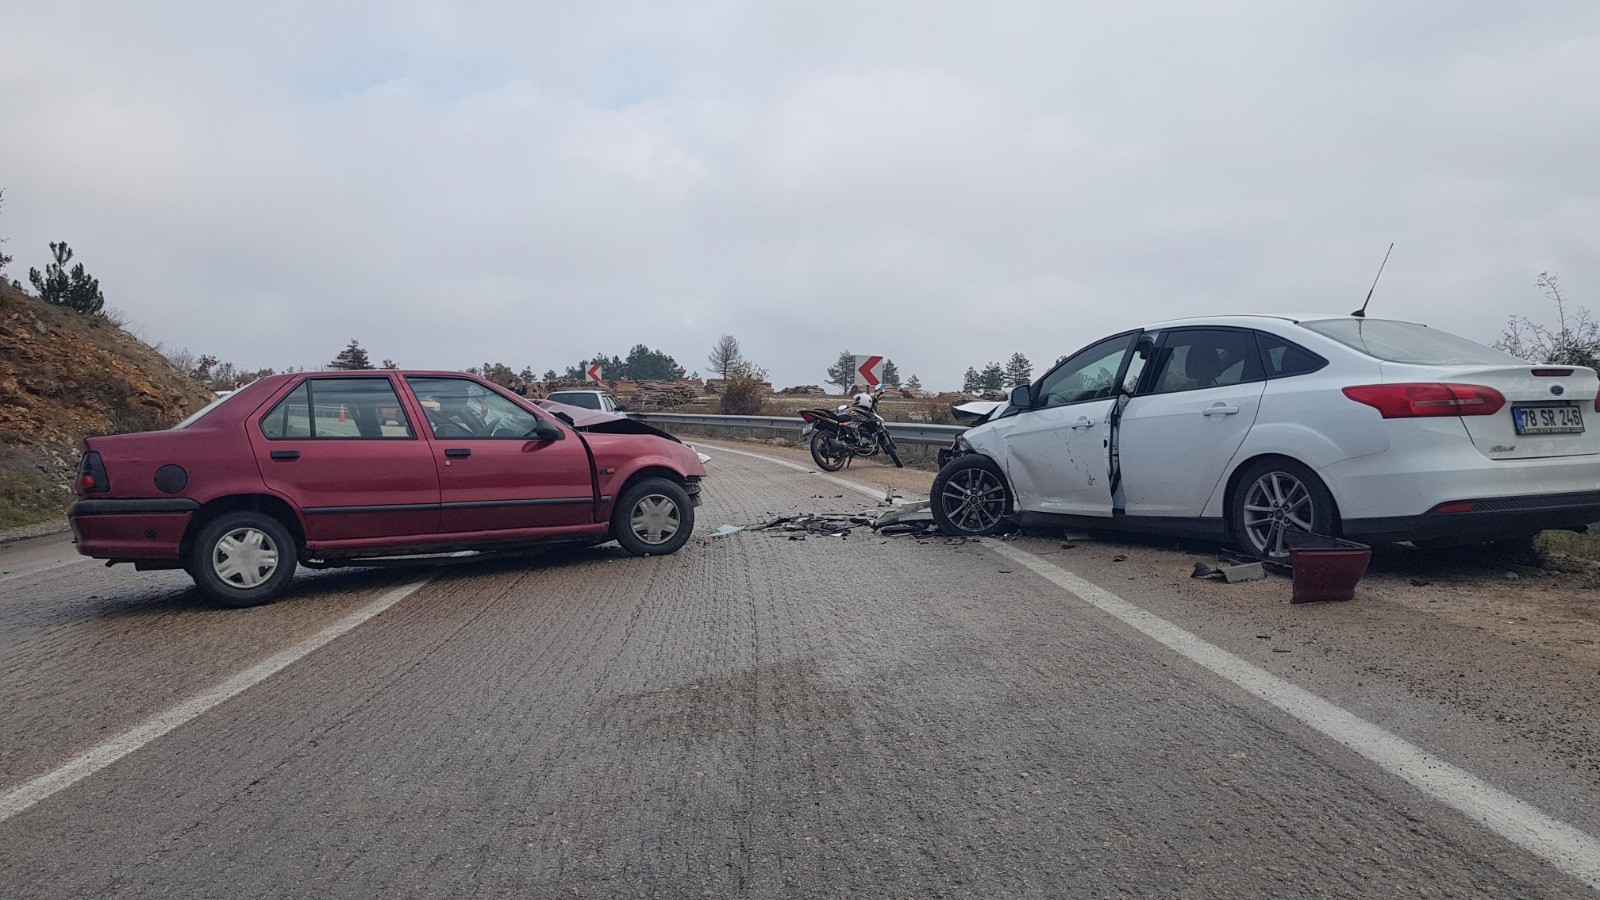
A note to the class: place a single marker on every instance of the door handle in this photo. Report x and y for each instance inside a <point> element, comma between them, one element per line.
<point>1082,422</point>
<point>457,452</point>
<point>1220,410</point>
<point>285,454</point>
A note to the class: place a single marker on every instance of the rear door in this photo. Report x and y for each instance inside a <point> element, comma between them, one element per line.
<point>1178,434</point>
<point>491,476</point>
<point>344,450</point>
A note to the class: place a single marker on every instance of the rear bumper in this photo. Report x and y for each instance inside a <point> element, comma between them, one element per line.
<point>1490,518</point>
<point>131,529</point>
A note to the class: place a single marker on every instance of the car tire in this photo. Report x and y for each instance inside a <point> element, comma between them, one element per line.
<point>1275,496</point>
<point>653,517</point>
<point>242,559</point>
<point>970,497</point>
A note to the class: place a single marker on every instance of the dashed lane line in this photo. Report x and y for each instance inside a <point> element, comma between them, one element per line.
<point>1564,846</point>
<point>22,797</point>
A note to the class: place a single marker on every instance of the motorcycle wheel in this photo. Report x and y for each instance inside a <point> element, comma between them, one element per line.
<point>888,447</point>
<point>827,452</point>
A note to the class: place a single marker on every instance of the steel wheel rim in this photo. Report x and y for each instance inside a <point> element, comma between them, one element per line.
<point>1276,504</point>
<point>655,519</point>
<point>244,558</point>
<point>973,499</point>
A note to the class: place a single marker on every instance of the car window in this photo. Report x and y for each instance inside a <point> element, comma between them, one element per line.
<point>339,409</point>
<point>1197,358</point>
<point>1283,359</point>
<point>457,408</point>
<point>1089,374</point>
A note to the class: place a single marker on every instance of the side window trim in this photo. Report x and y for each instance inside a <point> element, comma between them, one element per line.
<point>1034,390</point>
<point>309,386</point>
<point>1152,374</point>
<point>1266,366</point>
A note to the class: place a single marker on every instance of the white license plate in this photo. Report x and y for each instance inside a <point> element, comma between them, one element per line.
<point>1547,419</point>
<point>807,430</point>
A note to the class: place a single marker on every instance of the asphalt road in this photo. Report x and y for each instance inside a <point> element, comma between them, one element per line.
<point>753,716</point>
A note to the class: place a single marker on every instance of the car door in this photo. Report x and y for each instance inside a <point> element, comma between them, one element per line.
<point>1056,453</point>
<point>344,451</point>
<point>1180,430</point>
<point>492,477</point>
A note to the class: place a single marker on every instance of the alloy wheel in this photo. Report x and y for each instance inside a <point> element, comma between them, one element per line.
<point>1276,504</point>
<point>974,499</point>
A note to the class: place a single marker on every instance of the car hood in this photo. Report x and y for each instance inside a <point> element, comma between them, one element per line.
<point>597,422</point>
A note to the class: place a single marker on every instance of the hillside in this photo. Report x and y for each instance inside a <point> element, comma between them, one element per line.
<point>63,376</point>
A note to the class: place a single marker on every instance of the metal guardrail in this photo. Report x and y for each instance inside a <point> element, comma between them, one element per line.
<point>904,432</point>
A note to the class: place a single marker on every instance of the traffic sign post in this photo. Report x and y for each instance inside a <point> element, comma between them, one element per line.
<point>869,370</point>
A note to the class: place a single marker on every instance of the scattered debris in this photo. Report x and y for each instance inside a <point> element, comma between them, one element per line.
<point>1073,535</point>
<point>1201,570</point>
<point>1120,557</point>
<point>1252,571</point>
<point>725,530</point>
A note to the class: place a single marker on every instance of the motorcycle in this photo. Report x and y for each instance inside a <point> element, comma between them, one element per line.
<point>838,437</point>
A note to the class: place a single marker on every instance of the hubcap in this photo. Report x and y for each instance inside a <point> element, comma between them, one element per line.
<point>973,499</point>
<point>245,557</point>
<point>655,519</point>
<point>1276,504</point>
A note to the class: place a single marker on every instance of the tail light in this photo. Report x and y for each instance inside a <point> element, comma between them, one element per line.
<point>1413,401</point>
<point>92,475</point>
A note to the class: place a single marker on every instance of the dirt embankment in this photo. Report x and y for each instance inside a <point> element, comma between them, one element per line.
<point>64,376</point>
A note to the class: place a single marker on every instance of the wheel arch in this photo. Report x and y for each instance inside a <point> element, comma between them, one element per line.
<point>1231,487</point>
<point>275,507</point>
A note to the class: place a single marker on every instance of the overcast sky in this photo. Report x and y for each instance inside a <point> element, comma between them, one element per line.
<point>942,183</point>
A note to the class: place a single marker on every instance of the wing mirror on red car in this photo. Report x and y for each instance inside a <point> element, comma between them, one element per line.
<point>546,431</point>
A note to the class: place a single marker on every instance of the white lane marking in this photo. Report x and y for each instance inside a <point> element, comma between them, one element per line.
<point>875,493</point>
<point>30,792</point>
<point>1562,845</point>
<point>47,567</point>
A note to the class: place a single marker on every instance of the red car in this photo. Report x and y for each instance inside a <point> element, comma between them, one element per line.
<point>333,468</point>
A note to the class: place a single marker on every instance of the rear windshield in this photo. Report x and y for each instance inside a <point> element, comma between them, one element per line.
<point>1405,342</point>
<point>576,398</point>
<point>198,414</point>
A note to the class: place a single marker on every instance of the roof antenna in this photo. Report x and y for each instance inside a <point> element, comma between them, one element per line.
<point>1362,312</point>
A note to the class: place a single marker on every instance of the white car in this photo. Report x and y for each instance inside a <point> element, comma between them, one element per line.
<point>587,399</point>
<point>1250,427</point>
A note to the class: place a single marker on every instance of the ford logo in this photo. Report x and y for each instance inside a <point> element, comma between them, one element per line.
<point>1557,389</point>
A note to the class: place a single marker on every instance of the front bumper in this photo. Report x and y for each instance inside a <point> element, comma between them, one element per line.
<point>131,529</point>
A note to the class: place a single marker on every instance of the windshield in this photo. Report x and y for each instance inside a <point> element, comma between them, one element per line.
<point>1406,342</point>
<point>200,413</point>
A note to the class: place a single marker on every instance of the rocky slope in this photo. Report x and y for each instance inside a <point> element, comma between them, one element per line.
<point>63,376</point>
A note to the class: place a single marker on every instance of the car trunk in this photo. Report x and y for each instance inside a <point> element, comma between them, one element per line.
<point>1549,410</point>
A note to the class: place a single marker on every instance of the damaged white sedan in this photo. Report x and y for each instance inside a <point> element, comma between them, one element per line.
<point>1245,428</point>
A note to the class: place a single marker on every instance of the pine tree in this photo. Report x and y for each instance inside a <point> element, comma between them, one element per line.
<point>842,374</point>
<point>351,357</point>
<point>915,383</point>
<point>972,382</point>
<point>549,376</point>
<point>993,377</point>
<point>1018,370</point>
<point>891,374</point>
<point>76,290</point>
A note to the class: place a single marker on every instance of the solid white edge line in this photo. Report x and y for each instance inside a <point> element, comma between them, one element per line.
<point>1564,846</point>
<point>25,795</point>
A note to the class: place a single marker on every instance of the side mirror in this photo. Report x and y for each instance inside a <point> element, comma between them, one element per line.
<point>619,408</point>
<point>1022,396</point>
<point>546,431</point>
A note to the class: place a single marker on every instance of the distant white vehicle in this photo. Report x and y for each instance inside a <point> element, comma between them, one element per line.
<point>587,399</point>
<point>1252,427</point>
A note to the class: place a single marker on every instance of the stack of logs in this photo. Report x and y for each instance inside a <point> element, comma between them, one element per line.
<point>659,395</point>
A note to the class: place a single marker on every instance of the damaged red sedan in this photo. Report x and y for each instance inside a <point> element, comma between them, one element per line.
<point>336,468</point>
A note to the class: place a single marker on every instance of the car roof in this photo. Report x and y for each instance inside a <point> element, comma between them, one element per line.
<point>1254,320</point>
